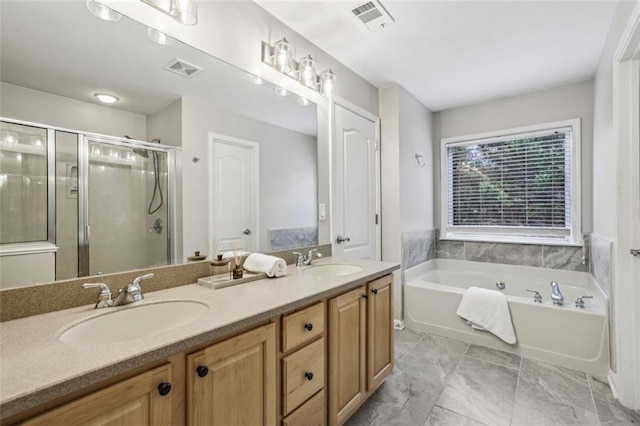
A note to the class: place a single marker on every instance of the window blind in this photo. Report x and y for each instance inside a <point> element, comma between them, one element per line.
<point>520,183</point>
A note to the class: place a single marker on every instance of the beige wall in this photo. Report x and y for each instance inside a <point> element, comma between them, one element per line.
<point>288,172</point>
<point>28,269</point>
<point>559,103</point>
<point>25,104</point>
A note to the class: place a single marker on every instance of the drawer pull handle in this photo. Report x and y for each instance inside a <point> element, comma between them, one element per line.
<point>374,291</point>
<point>308,326</point>
<point>164,388</point>
<point>308,375</point>
<point>202,370</point>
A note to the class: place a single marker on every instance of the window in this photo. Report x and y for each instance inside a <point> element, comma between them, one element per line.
<point>521,185</point>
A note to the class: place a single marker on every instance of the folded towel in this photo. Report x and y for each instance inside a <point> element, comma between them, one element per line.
<point>270,265</point>
<point>487,310</point>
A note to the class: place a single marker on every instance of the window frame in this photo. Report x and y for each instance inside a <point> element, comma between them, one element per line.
<point>521,235</point>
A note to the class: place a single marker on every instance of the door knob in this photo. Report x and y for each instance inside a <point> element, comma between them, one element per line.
<point>247,231</point>
<point>341,240</point>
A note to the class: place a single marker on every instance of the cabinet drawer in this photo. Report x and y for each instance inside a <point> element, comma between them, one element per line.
<point>311,413</point>
<point>302,375</point>
<point>302,326</point>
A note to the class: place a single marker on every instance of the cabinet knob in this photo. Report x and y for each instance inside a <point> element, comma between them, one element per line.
<point>365,296</point>
<point>164,388</point>
<point>202,370</point>
<point>374,291</point>
<point>308,375</point>
<point>308,326</point>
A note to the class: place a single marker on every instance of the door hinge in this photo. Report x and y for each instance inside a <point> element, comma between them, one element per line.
<point>377,145</point>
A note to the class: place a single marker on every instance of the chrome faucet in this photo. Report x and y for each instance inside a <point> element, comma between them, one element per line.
<point>308,259</point>
<point>537,297</point>
<point>132,292</point>
<point>580,302</point>
<point>556,296</point>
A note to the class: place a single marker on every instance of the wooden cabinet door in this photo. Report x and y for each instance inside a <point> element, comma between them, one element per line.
<point>135,401</point>
<point>347,352</point>
<point>234,382</point>
<point>379,330</point>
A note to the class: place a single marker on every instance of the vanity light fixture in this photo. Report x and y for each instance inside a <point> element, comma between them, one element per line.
<point>280,57</point>
<point>182,11</point>
<point>106,98</point>
<point>158,37</point>
<point>102,12</point>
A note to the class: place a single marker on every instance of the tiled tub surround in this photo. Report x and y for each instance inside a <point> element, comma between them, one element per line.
<point>282,239</point>
<point>446,382</point>
<point>542,256</point>
<point>417,247</point>
<point>63,368</point>
<point>601,255</point>
<point>42,298</point>
<point>565,335</point>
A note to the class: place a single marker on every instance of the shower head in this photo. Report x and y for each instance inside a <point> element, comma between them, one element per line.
<point>141,152</point>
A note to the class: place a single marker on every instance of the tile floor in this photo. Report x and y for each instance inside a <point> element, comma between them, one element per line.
<point>440,381</point>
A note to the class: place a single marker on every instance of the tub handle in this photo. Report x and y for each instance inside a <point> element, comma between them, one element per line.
<point>537,297</point>
<point>580,302</point>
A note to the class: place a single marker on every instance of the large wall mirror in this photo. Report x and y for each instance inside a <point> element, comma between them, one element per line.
<point>195,155</point>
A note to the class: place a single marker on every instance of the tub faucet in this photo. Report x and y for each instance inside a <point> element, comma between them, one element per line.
<point>556,296</point>
<point>132,292</point>
<point>537,297</point>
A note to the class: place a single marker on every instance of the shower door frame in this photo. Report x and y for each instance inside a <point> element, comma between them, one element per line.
<point>84,230</point>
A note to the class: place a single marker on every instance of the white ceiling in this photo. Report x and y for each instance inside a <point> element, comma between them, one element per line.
<point>59,47</point>
<point>455,53</point>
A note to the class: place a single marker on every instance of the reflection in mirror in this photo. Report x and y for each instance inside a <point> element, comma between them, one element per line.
<point>246,165</point>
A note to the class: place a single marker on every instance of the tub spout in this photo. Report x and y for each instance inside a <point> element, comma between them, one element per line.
<point>556,295</point>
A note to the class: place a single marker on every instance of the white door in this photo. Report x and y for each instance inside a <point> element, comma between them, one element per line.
<point>233,195</point>
<point>355,186</point>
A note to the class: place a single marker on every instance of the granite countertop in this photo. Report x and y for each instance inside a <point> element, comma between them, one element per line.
<point>35,367</point>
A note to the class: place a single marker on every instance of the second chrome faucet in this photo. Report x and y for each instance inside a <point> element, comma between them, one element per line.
<point>128,294</point>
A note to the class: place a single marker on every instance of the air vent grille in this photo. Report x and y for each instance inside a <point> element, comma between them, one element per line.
<point>373,15</point>
<point>183,68</point>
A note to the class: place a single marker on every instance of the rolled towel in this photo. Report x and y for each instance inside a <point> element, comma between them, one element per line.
<point>270,265</point>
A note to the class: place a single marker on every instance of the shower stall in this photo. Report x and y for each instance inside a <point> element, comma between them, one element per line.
<point>102,204</point>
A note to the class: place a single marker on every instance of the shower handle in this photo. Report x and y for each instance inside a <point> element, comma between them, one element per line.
<point>157,226</point>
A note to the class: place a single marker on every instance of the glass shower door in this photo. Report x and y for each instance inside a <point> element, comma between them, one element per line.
<point>126,215</point>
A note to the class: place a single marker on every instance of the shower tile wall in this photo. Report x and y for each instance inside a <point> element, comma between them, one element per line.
<point>417,247</point>
<point>553,257</point>
<point>282,239</point>
<point>601,254</point>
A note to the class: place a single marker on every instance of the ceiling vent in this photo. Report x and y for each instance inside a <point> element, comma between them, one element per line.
<point>183,68</point>
<point>373,15</point>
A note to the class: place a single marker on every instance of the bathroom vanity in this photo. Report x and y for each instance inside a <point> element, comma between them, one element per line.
<point>308,348</point>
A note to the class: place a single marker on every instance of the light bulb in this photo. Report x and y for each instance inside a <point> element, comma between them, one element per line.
<point>282,55</point>
<point>308,71</point>
<point>184,11</point>
<point>158,37</point>
<point>102,12</point>
<point>328,83</point>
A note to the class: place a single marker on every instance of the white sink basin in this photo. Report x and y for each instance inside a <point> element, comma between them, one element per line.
<point>133,322</point>
<point>332,269</point>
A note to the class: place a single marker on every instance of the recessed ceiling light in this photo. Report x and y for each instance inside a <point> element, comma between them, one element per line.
<point>255,79</point>
<point>303,101</point>
<point>158,37</point>
<point>103,12</point>
<point>106,98</point>
<point>281,91</point>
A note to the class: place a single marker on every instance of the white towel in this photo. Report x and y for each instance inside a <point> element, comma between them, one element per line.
<point>270,265</point>
<point>488,310</point>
